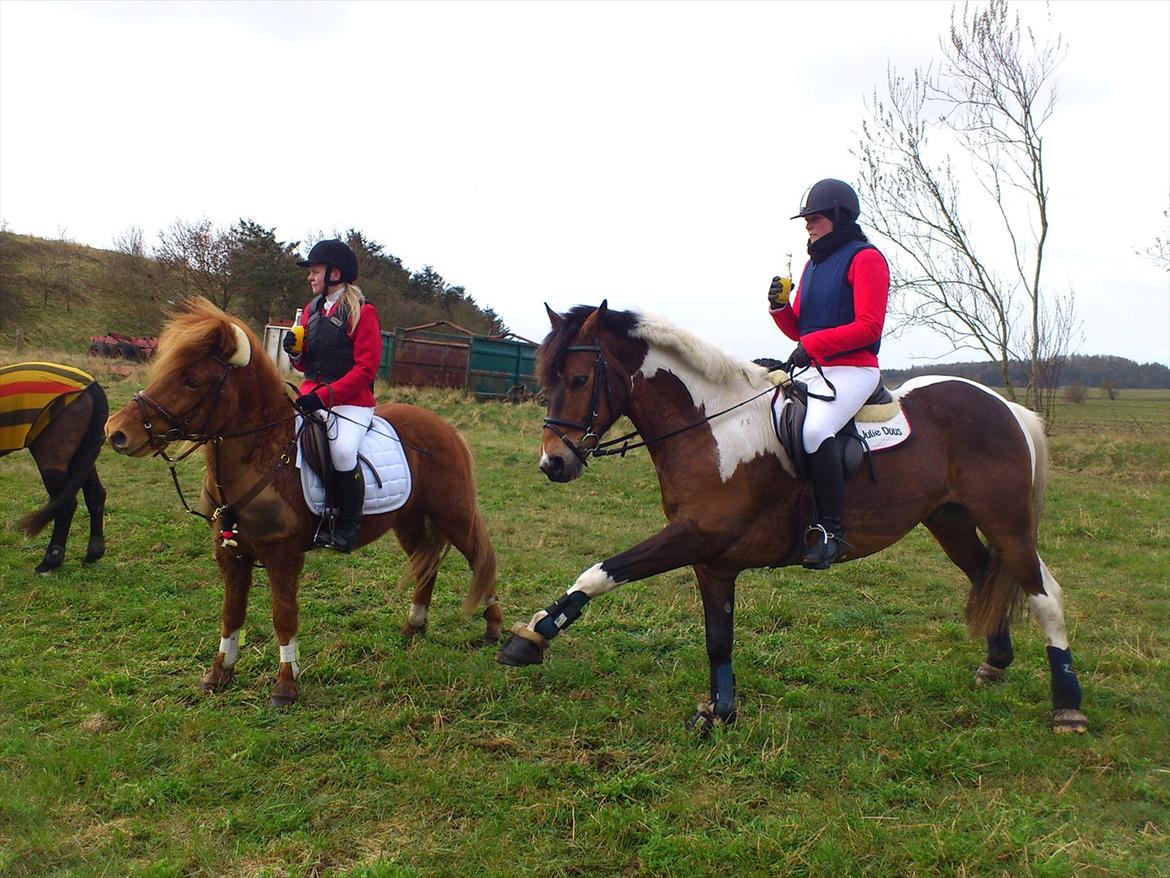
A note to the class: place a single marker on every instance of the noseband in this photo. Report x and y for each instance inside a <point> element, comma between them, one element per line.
<point>600,376</point>
<point>181,429</point>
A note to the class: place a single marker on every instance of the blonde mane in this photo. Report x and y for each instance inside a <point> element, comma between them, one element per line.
<point>710,362</point>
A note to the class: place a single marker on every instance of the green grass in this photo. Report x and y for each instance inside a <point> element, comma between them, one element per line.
<point>862,747</point>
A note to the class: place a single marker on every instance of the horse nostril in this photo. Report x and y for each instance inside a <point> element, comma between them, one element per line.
<point>118,440</point>
<point>552,466</point>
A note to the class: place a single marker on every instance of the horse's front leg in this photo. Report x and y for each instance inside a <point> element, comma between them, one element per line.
<point>284,573</point>
<point>718,593</point>
<point>679,544</point>
<point>236,573</point>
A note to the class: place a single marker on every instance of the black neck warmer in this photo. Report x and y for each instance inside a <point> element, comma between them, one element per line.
<point>843,232</point>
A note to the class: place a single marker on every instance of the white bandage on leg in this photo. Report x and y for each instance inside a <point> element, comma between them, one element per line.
<point>418,616</point>
<point>230,647</point>
<point>288,653</point>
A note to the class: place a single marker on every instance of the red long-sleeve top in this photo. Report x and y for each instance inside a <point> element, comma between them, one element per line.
<point>869,276</point>
<point>354,387</point>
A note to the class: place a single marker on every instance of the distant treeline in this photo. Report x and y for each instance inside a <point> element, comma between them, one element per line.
<point>57,293</point>
<point>1090,371</point>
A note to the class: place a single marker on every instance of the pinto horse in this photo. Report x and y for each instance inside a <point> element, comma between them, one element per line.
<point>974,464</point>
<point>212,384</point>
<point>57,413</point>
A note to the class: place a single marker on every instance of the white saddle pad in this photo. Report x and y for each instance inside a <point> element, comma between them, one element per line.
<point>383,449</point>
<point>883,435</point>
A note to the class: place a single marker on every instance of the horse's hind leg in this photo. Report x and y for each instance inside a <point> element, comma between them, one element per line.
<point>718,593</point>
<point>1016,565</point>
<point>954,528</point>
<point>415,537</point>
<point>1048,608</point>
<point>95,501</point>
<point>55,481</point>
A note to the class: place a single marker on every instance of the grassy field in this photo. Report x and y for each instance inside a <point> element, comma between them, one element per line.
<point>862,747</point>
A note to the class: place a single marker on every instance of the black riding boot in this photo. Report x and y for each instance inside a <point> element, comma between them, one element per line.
<point>828,481</point>
<point>351,491</point>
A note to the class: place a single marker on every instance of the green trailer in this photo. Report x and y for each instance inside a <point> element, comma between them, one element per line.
<point>502,367</point>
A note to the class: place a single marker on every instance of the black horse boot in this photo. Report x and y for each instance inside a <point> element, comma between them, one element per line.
<point>351,490</point>
<point>828,481</point>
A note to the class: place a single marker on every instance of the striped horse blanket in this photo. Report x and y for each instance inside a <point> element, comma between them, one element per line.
<point>31,395</point>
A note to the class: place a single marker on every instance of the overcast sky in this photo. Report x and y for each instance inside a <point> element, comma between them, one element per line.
<point>645,152</point>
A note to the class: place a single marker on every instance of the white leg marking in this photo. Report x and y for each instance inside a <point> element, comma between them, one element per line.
<point>230,647</point>
<point>594,581</point>
<point>1049,610</point>
<point>418,616</point>
<point>290,654</point>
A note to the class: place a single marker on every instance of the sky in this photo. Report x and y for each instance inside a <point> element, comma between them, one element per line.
<point>647,153</point>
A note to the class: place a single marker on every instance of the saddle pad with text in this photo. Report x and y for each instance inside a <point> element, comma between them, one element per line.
<point>383,449</point>
<point>883,435</point>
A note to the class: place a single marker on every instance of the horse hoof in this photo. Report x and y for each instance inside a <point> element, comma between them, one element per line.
<point>54,556</point>
<point>217,679</point>
<point>409,631</point>
<point>490,638</point>
<point>519,651</point>
<point>988,674</point>
<point>1066,721</point>
<point>700,723</point>
<point>94,553</point>
<point>281,700</point>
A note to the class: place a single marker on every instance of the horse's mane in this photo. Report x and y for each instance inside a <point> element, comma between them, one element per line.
<point>658,332</point>
<point>712,363</point>
<point>196,329</point>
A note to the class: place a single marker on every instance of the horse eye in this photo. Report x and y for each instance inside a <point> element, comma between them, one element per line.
<point>578,381</point>
<point>190,383</point>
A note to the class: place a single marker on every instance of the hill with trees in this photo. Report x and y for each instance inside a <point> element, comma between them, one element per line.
<point>1086,370</point>
<point>56,293</point>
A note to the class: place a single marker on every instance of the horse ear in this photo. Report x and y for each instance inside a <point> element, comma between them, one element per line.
<point>595,321</point>
<point>553,317</point>
<point>243,354</point>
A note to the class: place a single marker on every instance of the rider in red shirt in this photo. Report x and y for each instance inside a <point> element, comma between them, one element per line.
<point>341,353</point>
<point>837,317</point>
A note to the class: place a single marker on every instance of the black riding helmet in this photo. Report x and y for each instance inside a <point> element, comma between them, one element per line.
<point>333,254</point>
<point>827,197</point>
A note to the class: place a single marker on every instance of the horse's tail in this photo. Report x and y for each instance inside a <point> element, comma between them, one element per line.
<point>79,467</point>
<point>428,554</point>
<point>998,597</point>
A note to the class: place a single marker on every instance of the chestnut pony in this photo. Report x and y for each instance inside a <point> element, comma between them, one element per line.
<point>975,464</point>
<point>212,384</point>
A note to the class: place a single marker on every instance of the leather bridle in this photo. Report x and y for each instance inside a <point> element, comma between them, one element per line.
<point>600,377</point>
<point>181,429</point>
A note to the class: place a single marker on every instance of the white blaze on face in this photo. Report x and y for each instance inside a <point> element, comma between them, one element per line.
<point>740,435</point>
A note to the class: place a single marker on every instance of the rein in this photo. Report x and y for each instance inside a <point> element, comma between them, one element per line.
<point>181,431</point>
<point>607,449</point>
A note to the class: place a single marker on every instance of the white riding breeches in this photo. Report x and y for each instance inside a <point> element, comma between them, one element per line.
<point>347,425</point>
<point>854,385</point>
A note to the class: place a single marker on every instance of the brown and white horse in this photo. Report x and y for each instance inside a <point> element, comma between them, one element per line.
<point>212,383</point>
<point>975,465</point>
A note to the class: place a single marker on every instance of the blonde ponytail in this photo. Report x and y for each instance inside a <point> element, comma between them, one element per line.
<point>353,299</point>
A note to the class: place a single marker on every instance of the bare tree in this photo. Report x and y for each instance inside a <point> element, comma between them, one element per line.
<point>133,280</point>
<point>953,174</point>
<point>201,257</point>
<point>1159,252</point>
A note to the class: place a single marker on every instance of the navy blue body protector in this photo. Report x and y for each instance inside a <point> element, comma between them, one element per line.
<point>826,298</point>
<point>328,349</point>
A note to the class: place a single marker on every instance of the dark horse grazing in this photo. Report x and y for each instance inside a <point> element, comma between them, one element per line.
<point>974,464</point>
<point>57,412</point>
<point>213,384</point>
